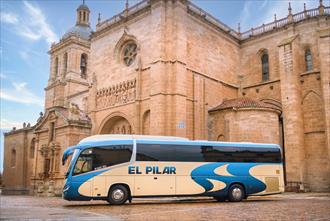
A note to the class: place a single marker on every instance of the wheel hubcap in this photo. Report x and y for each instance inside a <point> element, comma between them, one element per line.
<point>118,194</point>
<point>237,193</point>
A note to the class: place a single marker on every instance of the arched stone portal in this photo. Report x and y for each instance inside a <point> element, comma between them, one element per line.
<point>117,125</point>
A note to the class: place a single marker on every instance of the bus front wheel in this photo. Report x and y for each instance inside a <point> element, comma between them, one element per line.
<point>236,193</point>
<point>118,195</point>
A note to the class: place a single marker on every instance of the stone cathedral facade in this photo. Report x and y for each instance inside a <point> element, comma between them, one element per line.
<point>166,67</point>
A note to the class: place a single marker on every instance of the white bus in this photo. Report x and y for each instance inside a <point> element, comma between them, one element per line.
<point>118,168</point>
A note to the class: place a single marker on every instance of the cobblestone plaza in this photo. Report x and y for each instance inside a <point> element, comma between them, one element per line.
<point>286,206</point>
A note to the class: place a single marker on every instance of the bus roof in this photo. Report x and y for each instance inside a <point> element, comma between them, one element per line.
<point>109,137</point>
<point>99,140</point>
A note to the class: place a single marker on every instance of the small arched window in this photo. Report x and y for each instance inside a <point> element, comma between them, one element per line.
<point>265,67</point>
<point>308,60</point>
<point>83,65</point>
<point>13,158</point>
<point>56,68</point>
<point>65,63</point>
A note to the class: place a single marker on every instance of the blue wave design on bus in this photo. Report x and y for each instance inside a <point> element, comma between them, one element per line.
<point>71,188</point>
<point>238,173</point>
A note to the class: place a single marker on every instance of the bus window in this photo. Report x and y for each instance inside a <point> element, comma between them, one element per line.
<point>101,157</point>
<point>241,154</point>
<point>111,155</point>
<point>169,152</point>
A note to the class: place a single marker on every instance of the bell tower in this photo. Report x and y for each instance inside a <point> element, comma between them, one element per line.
<point>69,60</point>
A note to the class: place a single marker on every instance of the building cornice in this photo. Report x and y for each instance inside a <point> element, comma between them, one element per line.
<point>71,40</point>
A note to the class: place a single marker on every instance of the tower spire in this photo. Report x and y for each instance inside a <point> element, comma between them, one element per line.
<point>290,9</point>
<point>99,19</point>
<point>321,8</point>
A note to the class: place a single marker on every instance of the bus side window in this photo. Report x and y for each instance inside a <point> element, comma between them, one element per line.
<point>111,155</point>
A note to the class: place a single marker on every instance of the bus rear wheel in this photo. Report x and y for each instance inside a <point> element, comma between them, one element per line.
<point>236,193</point>
<point>118,195</point>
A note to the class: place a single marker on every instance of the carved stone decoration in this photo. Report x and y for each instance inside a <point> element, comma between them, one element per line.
<point>44,150</point>
<point>115,95</point>
<point>74,112</point>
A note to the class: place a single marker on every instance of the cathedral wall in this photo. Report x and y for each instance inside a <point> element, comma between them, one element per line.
<point>210,58</point>
<point>291,88</point>
<point>210,51</point>
<point>106,52</point>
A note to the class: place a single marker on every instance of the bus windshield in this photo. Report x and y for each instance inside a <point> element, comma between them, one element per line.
<point>70,159</point>
<point>100,157</point>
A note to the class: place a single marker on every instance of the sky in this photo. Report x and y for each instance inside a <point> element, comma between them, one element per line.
<point>28,27</point>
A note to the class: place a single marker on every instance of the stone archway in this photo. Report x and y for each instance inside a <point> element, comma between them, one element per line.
<point>117,125</point>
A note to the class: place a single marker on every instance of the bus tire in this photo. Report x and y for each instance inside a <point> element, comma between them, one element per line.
<point>236,193</point>
<point>118,195</point>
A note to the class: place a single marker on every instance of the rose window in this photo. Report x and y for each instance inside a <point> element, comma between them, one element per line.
<point>130,52</point>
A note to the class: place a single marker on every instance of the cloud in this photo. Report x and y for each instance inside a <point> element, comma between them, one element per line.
<point>37,26</point>
<point>19,93</point>
<point>32,24</point>
<point>10,18</point>
<point>7,124</point>
<point>3,76</point>
<point>24,55</point>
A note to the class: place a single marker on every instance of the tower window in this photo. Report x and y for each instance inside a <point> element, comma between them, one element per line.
<point>83,65</point>
<point>56,68</point>
<point>265,67</point>
<point>13,158</point>
<point>308,60</point>
<point>65,63</point>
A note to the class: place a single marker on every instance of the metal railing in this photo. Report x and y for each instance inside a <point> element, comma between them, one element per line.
<point>127,12</point>
<point>283,22</point>
<point>195,10</point>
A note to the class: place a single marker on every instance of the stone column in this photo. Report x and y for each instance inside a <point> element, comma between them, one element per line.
<point>177,53</point>
<point>292,113</point>
<point>324,54</point>
<point>158,71</point>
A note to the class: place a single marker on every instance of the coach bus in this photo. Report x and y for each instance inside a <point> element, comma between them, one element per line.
<point>118,168</point>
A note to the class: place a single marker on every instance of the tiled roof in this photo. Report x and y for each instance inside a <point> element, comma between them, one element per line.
<point>243,102</point>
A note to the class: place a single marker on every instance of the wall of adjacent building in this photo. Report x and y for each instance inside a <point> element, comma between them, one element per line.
<point>18,167</point>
